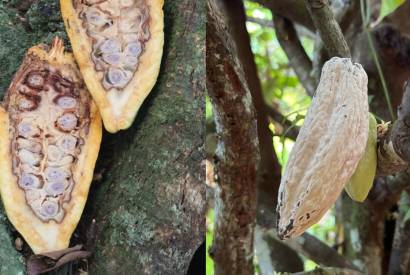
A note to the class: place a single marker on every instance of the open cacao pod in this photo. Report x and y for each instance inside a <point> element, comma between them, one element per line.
<point>50,134</point>
<point>328,148</point>
<point>118,46</point>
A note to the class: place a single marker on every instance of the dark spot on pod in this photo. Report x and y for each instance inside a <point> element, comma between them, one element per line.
<point>36,79</point>
<point>307,216</point>
<point>25,90</point>
<point>288,228</point>
<point>62,85</point>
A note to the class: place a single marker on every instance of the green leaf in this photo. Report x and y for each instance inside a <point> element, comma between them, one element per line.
<point>406,216</point>
<point>389,6</point>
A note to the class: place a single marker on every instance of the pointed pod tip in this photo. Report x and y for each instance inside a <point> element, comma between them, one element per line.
<point>57,48</point>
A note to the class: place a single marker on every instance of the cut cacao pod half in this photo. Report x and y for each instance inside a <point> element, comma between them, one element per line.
<point>50,134</point>
<point>118,46</point>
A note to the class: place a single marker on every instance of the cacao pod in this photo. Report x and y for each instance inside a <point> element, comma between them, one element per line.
<point>328,148</point>
<point>50,133</point>
<point>361,182</point>
<point>118,46</point>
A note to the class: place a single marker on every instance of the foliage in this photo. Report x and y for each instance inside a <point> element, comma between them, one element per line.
<point>389,6</point>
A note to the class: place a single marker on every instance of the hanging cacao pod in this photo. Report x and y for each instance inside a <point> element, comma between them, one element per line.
<point>328,148</point>
<point>118,46</point>
<point>50,133</point>
<point>361,182</point>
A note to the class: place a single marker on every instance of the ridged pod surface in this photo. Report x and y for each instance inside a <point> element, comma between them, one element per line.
<point>118,46</point>
<point>50,133</point>
<point>361,182</point>
<point>328,148</point>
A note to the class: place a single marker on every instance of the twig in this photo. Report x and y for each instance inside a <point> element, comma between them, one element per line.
<point>298,59</point>
<point>329,29</point>
<point>319,252</point>
<point>329,271</point>
<point>260,21</point>
<point>316,250</point>
<point>289,127</point>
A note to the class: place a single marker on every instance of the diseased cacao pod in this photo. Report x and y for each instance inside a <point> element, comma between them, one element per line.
<point>361,182</point>
<point>50,133</point>
<point>118,46</point>
<point>328,148</point>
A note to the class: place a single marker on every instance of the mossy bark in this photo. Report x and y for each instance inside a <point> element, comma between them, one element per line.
<point>146,213</point>
<point>149,208</point>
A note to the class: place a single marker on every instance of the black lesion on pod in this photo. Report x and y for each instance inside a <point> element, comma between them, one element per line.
<point>283,235</point>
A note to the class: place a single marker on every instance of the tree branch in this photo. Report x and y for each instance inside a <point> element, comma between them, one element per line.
<point>237,154</point>
<point>314,249</point>
<point>394,145</point>
<point>289,129</point>
<point>329,271</point>
<point>329,29</point>
<point>319,252</point>
<point>294,10</point>
<point>298,59</point>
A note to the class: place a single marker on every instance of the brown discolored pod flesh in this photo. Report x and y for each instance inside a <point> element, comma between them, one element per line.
<point>118,46</point>
<point>328,148</point>
<point>50,134</point>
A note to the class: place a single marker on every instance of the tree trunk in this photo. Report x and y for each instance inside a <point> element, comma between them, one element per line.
<point>146,214</point>
<point>237,154</point>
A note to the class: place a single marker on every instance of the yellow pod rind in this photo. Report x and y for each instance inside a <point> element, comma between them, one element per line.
<point>117,113</point>
<point>49,236</point>
<point>361,182</point>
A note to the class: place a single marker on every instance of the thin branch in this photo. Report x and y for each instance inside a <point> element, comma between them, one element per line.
<point>319,252</point>
<point>294,10</point>
<point>315,250</point>
<point>328,271</point>
<point>329,29</point>
<point>260,21</point>
<point>290,130</point>
<point>298,59</point>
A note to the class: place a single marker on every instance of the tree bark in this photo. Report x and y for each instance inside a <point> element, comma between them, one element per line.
<point>237,154</point>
